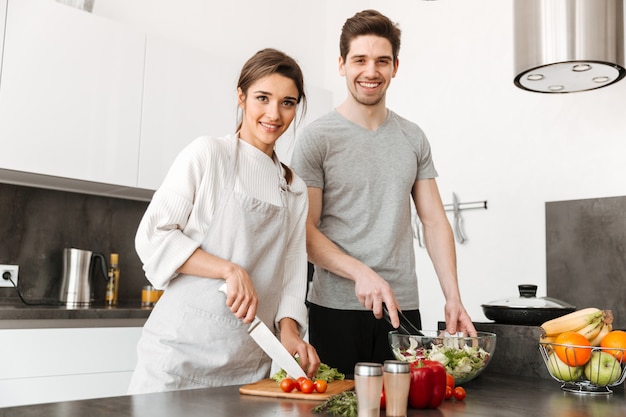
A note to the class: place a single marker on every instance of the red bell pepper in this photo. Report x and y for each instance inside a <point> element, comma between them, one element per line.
<point>421,387</point>
<point>440,380</point>
<point>428,384</point>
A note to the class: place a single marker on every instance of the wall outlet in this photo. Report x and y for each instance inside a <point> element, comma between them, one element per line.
<point>11,269</point>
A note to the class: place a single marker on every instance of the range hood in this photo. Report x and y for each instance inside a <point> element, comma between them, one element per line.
<point>565,46</point>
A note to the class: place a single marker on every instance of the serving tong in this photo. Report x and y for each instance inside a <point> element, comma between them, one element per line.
<point>406,326</point>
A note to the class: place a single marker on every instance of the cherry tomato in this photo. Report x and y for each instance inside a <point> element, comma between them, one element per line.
<point>299,382</point>
<point>459,393</point>
<point>307,386</point>
<point>320,385</point>
<point>448,392</point>
<point>450,381</point>
<point>287,384</point>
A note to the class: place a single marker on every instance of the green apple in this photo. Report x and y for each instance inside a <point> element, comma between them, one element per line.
<point>602,369</point>
<point>563,371</point>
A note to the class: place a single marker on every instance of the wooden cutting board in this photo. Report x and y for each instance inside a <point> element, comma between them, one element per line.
<point>270,388</point>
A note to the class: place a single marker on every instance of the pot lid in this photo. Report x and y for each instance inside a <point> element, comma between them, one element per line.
<point>527,299</point>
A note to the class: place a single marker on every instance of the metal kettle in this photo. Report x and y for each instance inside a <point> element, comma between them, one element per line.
<point>78,268</point>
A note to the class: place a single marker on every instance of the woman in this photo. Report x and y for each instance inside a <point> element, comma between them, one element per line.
<point>228,211</point>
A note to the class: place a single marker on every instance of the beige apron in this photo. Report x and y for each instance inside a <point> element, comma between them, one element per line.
<point>191,338</point>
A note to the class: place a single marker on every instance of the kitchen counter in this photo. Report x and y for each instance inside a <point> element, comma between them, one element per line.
<point>15,316</point>
<point>490,395</point>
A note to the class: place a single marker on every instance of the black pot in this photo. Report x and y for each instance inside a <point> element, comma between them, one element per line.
<point>527,309</point>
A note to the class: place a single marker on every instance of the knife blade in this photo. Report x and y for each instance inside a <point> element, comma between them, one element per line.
<point>267,341</point>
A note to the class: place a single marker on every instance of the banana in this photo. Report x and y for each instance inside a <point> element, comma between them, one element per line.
<point>571,322</point>
<point>546,343</point>
<point>608,316</point>
<point>547,339</point>
<point>591,330</point>
<point>606,328</point>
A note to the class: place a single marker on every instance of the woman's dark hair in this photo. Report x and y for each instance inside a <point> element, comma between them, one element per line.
<point>265,63</point>
<point>369,22</point>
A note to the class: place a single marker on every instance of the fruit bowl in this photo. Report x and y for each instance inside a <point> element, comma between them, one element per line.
<point>464,357</point>
<point>600,368</point>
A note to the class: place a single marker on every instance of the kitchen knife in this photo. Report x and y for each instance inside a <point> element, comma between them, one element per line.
<point>458,220</point>
<point>264,337</point>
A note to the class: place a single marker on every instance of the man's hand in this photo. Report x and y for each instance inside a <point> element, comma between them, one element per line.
<point>372,291</point>
<point>457,319</point>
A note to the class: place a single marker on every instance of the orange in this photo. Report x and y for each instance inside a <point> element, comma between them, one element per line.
<point>576,350</point>
<point>616,340</point>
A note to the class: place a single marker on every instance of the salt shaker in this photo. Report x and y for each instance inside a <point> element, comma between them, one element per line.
<point>368,383</point>
<point>396,380</point>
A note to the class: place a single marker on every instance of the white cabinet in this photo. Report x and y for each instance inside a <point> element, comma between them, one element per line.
<point>93,106</point>
<point>70,94</point>
<point>63,364</point>
<point>187,93</point>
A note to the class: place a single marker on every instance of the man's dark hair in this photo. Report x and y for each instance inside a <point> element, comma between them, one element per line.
<point>369,22</point>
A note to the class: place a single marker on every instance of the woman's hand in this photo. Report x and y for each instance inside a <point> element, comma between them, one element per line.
<point>241,296</point>
<point>290,338</point>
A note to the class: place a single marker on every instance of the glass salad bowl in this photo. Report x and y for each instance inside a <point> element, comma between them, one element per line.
<point>464,357</point>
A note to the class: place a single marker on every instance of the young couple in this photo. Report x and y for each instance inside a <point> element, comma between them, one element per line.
<point>230,211</point>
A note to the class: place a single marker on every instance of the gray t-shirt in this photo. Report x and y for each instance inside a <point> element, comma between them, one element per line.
<point>366,178</point>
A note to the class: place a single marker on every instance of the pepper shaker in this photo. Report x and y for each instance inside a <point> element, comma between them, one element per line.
<point>396,380</point>
<point>368,383</point>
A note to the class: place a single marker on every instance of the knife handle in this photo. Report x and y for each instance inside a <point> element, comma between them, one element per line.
<point>458,228</point>
<point>255,322</point>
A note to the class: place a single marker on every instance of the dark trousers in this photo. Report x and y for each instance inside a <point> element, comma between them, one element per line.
<point>344,337</point>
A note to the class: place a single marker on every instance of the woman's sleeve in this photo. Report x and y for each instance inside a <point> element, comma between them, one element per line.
<point>160,242</point>
<point>292,301</point>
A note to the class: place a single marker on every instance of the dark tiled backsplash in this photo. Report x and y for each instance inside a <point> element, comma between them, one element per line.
<point>586,254</point>
<point>36,224</point>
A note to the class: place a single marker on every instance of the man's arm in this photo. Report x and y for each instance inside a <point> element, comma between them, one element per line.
<point>370,288</point>
<point>440,246</point>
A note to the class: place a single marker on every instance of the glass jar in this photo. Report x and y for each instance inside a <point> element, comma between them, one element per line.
<point>150,296</point>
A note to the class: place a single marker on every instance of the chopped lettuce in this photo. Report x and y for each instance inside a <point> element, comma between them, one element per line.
<point>324,372</point>
<point>460,361</point>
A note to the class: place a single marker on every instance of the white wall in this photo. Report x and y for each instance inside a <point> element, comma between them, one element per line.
<point>491,141</point>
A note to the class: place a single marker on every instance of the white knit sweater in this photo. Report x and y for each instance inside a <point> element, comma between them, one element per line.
<point>175,221</point>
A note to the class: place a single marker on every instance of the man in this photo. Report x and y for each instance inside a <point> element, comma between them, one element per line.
<point>362,164</point>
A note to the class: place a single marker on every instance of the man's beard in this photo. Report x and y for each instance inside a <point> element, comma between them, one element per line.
<point>367,101</point>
